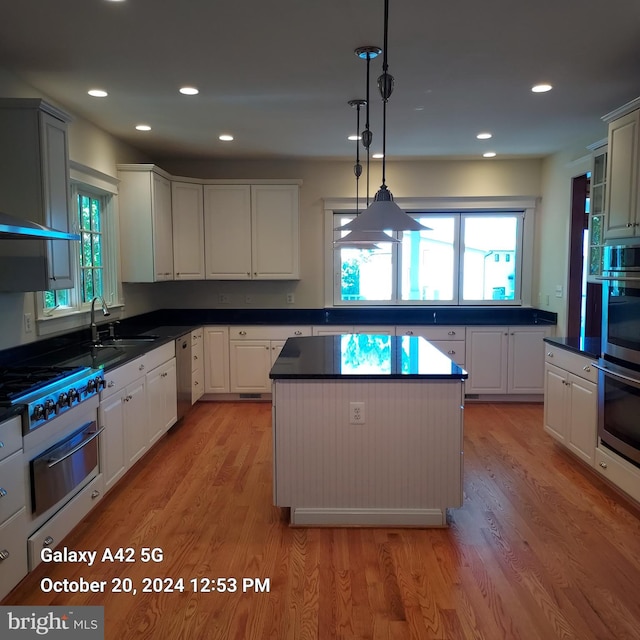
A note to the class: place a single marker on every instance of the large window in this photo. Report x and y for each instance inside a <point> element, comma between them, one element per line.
<point>93,217</point>
<point>469,257</point>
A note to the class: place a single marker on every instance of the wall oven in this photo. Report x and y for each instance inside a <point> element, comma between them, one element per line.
<point>619,366</point>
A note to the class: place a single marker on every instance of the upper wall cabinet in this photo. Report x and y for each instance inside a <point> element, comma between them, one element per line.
<point>623,172</point>
<point>188,230</point>
<point>252,232</point>
<point>34,185</point>
<point>146,230</point>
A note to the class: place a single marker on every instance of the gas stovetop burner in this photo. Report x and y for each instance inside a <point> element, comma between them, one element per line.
<point>47,392</point>
<point>18,381</point>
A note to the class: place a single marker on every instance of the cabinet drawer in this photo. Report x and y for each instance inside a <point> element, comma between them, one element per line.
<point>197,385</point>
<point>267,333</point>
<point>620,472</point>
<point>453,349</point>
<point>432,333</point>
<point>197,337</point>
<point>160,355</point>
<point>122,376</point>
<point>13,566</point>
<point>12,481</point>
<point>54,531</point>
<point>571,362</point>
<point>10,437</point>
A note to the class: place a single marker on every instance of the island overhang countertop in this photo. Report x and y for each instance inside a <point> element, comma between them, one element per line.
<point>364,356</point>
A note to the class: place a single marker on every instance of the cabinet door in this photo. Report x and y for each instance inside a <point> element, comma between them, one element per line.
<point>216,360</point>
<point>55,173</point>
<point>276,348</point>
<point>249,366</point>
<point>136,429</point>
<point>486,360</point>
<point>622,176</point>
<point>555,402</point>
<point>274,232</point>
<point>161,399</point>
<point>526,360</point>
<point>583,418</point>
<point>112,448</point>
<point>188,230</point>
<point>162,228</point>
<point>227,230</point>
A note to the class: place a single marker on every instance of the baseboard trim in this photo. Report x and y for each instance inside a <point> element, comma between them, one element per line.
<point>309,517</point>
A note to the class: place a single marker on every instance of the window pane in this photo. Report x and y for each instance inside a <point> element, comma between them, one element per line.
<point>366,273</point>
<point>489,257</point>
<point>83,207</point>
<point>428,260</point>
<point>95,215</point>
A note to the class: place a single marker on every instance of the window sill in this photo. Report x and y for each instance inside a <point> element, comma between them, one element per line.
<point>62,321</point>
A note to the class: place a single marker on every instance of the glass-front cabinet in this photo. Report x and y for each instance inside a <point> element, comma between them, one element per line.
<point>597,214</point>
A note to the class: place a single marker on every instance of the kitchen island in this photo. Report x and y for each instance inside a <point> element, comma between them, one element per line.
<point>367,431</point>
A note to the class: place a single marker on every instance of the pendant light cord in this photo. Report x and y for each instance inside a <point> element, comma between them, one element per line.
<point>383,89</point>
<point>368,137</point>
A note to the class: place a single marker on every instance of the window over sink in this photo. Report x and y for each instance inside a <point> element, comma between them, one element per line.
<point>96,255</point>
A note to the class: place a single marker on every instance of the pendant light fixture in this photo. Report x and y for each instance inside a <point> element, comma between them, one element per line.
<point>383,213</point>
<point>361,239</point>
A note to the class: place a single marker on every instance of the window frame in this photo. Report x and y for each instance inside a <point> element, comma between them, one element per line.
<point>524,206</point>
<point>95,183</point>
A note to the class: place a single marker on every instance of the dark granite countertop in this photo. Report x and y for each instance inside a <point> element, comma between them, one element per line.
<point>6,413</point>
<point>364,356</point>
<point>583,346</point>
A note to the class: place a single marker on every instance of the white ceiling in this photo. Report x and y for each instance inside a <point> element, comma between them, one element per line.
<point>278,74</point>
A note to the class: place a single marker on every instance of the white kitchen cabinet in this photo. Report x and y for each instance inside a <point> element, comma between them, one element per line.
<point>197,364</point>
<point>187,215</point>
<point>34,185</point>
<point>216,359</point>
<point>449,340</point>
<point>13,493</point>
<point>162,399</point>
<point>570,402</point>
<point>146,228</point>
<point>252,232</point>
<point>330,330</point>
<point>505,360</point>
<point>252,352</point>
<point>623,172</point>
<point>112,451</point>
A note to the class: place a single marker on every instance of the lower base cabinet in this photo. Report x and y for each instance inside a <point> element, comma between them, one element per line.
<point>570,402</point>
<point>162,399</point>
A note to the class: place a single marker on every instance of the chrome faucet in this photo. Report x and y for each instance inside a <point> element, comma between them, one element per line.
<point>105,312</point>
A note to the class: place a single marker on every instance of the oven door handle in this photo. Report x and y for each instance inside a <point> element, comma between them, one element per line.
<point>621,278</point>
<point>52,462</point>
<point>614,374</point>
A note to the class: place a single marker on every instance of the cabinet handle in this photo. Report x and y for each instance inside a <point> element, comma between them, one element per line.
<point>111,383</point>
<point>3,492</point>
<point>506,333</point>
<point>242,333</point>
<point>163,374</point>
<point>297,333</point>
<point>408,333</point>
<point>248,274</point>
<point>195,357</point>
<point>4,554</point>
<point>549,354</point>
<point>1,444</point>
<point>141,367</point>
<point>586,368</point>
<point>94,494</point>
<point>195,383</point>
<point>255,273</point>
<point>47,542</point>
<point>452,333</point>
<point>629,224</point>
<point>603,465</point>
<point>52,278</point>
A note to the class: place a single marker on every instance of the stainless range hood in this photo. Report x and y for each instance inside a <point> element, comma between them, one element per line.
<point>12,228</point>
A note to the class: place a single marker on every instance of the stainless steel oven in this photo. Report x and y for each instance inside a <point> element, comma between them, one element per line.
<point>619,409</point>
<point>621,302</point>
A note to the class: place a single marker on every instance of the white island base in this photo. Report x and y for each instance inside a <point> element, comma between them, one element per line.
<point>402,467</point>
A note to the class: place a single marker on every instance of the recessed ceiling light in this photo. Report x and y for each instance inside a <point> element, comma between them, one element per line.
<point>143,127</point>
<point>489,154</point>
<point>189,91</point>
<point>419,109</point>
<point>354,138</point>
<point>225,137</point>
<point>485,135</point>
<point>97,93</point>
<point>541,88</point>
<point>377,156</point>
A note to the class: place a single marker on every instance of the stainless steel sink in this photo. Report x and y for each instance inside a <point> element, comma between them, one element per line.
<point>133,341</point>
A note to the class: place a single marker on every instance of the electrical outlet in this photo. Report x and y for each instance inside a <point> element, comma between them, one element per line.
<point>223,298</point>
<point>28,323</point>
<point>291,298</point>
<point>356,413</point>
<point>248,299</point>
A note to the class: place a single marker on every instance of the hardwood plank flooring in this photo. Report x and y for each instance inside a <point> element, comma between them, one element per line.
<point>541,550</point>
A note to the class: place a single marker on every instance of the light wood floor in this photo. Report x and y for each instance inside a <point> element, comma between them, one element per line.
<point>540,550</point>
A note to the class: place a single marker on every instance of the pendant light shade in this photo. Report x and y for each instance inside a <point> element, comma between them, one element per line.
<point>363,240</point>
<point>383,213</point>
